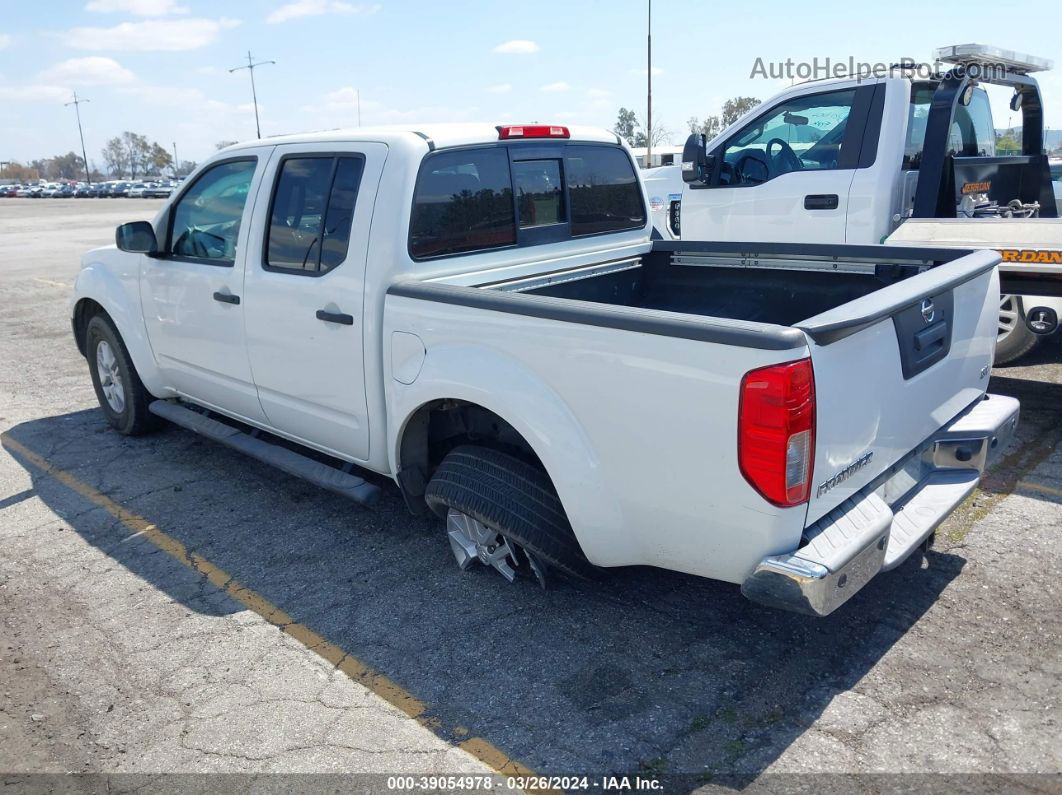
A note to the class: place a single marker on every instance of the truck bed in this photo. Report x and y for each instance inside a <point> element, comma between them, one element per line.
<point>781,286</point>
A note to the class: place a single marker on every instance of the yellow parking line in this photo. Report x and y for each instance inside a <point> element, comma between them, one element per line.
<point>50,282</point>
<point>387,689</point>
<point>1040,487</point>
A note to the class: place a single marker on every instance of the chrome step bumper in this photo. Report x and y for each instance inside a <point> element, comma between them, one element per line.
<point>878,528</point>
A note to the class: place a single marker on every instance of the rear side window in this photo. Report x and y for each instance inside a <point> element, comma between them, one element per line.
<point>605,195</point>
<point>539,193</point>
<point>463,202</point>
<point>312,212</point>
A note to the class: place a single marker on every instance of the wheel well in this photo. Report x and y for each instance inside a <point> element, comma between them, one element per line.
<point>85,310</point>
<point>437,428</point>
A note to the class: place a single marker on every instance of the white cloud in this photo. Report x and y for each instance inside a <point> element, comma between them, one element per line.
<point>316,8</point>
<point>5,40</point>
<point>501,88</point>
<point>139,8</point>
<point>560,85</point>
<point>150,36</point>
<point>91,71</point>
<point>643,72</point>
<point>517,47</point>
<point>598,93</point>
<point>34,93</point>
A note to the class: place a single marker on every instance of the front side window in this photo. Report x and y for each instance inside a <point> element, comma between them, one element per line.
<point>805,133</point>
<point>312,212</point>
<point>463,202</point>
<point>917,119</point>
<point>605,194</point>
<point>206,219</point>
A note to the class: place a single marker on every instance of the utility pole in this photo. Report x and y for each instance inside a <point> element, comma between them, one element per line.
<point>251,65</point>
<point>649,97</point>
<point>357,94</point>
<point>76,102</point>
<point>175,161</point>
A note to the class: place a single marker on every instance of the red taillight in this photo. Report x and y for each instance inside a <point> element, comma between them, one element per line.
<point>532,131</point>
<point>776,431</point>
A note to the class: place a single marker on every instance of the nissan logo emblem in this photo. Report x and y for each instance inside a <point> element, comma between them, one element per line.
<point>928,311</point>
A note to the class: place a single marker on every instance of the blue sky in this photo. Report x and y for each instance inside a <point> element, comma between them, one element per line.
<point>159,67</point>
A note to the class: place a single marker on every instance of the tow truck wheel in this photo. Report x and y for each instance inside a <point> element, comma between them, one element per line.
<point>1013,339</point>
<point>504,513</point>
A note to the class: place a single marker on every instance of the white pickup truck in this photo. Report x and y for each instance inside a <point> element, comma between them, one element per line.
<point>480,313</point>
<point>902,159</point>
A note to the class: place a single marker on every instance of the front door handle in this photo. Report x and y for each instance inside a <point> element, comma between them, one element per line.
<point>227,298</point>
<point>821,201</point>
<point>335,317</point>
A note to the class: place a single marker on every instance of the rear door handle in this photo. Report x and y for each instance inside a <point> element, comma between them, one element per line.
<point>821,201</point>
<point>335,317</point>
<point>227,298</point>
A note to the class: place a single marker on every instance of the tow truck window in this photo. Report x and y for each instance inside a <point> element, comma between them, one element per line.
<point>463,202</point>
<point>971,135</point>
<point>805,133</point>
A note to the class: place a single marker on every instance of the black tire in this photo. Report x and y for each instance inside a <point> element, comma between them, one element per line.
<point>1019,340</point>
<point>512,497</point>
<point>134,418</point>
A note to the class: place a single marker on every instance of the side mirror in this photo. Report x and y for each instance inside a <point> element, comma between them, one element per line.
<point>137,237</point>
<point>696,164</point>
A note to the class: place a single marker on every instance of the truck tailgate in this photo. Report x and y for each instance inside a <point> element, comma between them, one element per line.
<point>891,368</point>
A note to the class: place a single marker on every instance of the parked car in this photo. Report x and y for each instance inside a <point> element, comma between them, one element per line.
<point>136,190</point>
<point>480,313</point>
<point>118,189</point>
<point>63,192</point>
<point>8,191</point>
<point>86,192</point>
<point>160,191</point>
<point>32,192</point>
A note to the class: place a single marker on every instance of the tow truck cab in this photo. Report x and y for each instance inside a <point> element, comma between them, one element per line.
<point>849,160</point>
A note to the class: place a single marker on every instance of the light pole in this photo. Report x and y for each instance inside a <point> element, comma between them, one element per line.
<point>76,102</point>
<point>175,172</point>
<point>649,95</point>
<point>251,65</point>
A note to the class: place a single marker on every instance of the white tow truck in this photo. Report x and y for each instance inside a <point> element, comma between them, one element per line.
<point>480,313</point>
<point>900,159</point>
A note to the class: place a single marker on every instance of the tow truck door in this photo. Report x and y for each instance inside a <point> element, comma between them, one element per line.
<point>785,175</point>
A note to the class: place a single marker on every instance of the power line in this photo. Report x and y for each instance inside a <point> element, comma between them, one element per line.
<point>76,102</point>
<point>251,66</point>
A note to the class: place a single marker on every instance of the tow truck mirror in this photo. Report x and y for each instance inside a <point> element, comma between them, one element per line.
<point>696,163</point>
<point>137,237</point>
<point>1016,100</point>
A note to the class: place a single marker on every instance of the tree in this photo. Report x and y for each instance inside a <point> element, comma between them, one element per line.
<point>659,134</point>
<point>18,172</point>
<point>185,168</point>
<point>1008,143</point>
<point>131,154</point>
<point>735,108</point>
<point>710,126</point>
<point>224,144</point>
<point>626,125</point>
<point>159,158</point>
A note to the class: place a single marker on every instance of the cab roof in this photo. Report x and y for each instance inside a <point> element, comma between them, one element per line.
<point>441,135</point>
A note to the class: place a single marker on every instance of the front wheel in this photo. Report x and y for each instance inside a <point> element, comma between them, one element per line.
<point>121,394</point>
<point>1013,338</point>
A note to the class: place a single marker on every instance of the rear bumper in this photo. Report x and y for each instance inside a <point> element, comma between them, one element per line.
<point>878,528</point>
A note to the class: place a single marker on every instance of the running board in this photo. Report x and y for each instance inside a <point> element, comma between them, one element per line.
<point>350,486</point>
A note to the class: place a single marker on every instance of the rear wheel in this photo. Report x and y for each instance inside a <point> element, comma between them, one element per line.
<point>121,394</point>
<point>1013,339</point>
<point>504,513</point>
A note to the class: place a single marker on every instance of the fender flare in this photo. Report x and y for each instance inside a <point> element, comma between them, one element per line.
<point>99,283</point>
<point>506,387</point>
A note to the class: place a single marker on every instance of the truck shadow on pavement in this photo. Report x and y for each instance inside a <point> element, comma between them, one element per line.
<point>643,670</point>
